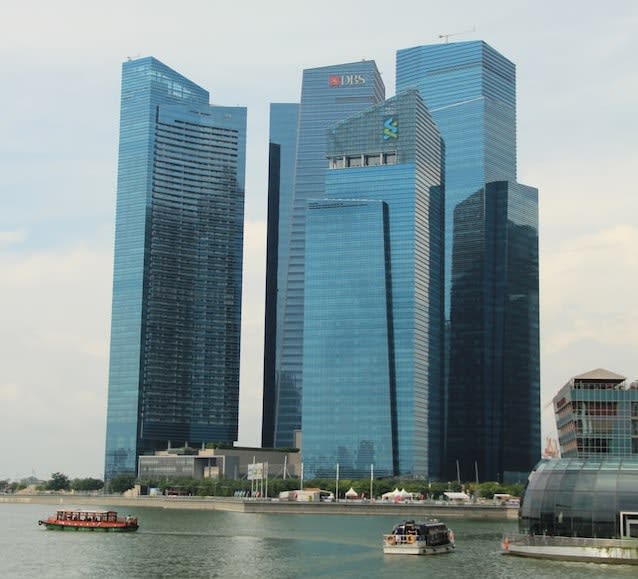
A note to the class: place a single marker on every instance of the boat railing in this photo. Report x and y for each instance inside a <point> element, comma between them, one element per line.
<point>401,539</point>
<point>528,540</point>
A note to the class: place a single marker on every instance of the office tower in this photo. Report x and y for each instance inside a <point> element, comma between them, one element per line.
<point>597,416</point>
<point>284,120</point>
<point>175,331</point>
<point>373,319</point>
<point>329,94</point>
<point>491,261</point>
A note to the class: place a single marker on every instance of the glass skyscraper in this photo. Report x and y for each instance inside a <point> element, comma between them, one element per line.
<point>284,121</point>
<point>329,94</point>
<point>491,261</point>
<point>175,332</point>
<point>373,323</point>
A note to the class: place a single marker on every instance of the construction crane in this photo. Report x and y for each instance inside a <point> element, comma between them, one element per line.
<point>447,36</point>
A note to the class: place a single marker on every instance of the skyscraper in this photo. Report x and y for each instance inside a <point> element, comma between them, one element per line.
<point>373,323</point>
<point>491,261</point>
<point>175,331</point>
<point>284,120</point>
<point>329,94</point>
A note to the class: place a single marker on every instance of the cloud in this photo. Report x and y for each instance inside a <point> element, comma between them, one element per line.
<point>8,392</point>
<point>252,334</point>
<point>588,313</point>
<point>55,310</point>
<point>8,238</point>
<point>589,288</point>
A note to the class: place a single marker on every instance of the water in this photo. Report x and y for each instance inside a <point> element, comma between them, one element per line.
<point>205,544</point>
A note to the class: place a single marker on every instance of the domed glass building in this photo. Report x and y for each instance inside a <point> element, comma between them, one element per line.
<point>582,498</point>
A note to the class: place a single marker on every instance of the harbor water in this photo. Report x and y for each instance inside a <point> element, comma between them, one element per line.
<point>202,544</point>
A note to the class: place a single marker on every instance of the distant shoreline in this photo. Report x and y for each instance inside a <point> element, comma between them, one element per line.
<point>409,509</point>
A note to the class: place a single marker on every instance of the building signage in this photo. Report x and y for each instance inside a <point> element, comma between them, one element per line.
<point>341,80</point>
<point>255,471</point>
<point>390,128</point>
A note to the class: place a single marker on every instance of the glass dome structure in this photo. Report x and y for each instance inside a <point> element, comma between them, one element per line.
<point>581,498</point>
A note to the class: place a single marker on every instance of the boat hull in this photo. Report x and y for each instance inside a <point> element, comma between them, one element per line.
<point>417,549</point>
<point>97,527</point>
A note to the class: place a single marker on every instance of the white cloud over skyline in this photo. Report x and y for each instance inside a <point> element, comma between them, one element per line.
<point>577,88</point>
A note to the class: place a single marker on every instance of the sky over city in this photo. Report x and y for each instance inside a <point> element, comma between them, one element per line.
<point>577,89</point>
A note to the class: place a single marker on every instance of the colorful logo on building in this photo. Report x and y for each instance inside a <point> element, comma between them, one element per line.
<point>390,128</point>
<point>341,80</point>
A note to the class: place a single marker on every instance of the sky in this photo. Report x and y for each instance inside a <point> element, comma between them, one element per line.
<point>577,89</point>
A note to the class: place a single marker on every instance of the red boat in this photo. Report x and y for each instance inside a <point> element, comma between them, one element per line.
<point>84,520</point>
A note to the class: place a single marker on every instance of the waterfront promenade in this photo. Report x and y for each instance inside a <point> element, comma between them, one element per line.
<point>415,509</point>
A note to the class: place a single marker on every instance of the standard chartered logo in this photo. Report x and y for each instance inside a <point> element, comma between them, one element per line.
<point>390,128</point>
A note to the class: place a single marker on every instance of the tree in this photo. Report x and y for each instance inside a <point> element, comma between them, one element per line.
<point>87,484</point>
<point>58,482</point>
<point>122,483</point>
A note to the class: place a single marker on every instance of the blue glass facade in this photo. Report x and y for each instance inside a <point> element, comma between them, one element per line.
<point>329,94</point>
<point>373,325</point>
<point>348,375</point>
<point>175,331</point>
<point>470,90</point>
<point>284,121</point>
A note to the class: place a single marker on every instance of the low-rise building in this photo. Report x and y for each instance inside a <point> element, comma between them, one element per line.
<point>232,463</point>
<point>597,416</point>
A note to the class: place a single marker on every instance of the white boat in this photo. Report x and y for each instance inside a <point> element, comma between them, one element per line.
<point>419,538</point>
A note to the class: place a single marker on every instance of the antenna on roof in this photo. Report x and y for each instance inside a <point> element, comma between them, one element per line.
<point>447,36</point>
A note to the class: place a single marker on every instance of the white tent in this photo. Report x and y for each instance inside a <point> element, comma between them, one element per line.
<point>391,495</point>
<point>351,494</point>
<point>396,495</point>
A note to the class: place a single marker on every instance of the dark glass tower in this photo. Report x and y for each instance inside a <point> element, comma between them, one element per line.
<point>284,120</point>
<point>175,331</point>
<point>329,94</point>
<point>373,318</point>
<point>491,261</point>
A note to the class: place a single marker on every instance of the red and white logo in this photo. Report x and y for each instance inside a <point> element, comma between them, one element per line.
<point>341,80</point>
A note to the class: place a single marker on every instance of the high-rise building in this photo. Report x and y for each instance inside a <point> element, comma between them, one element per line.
<point>175,331</point>
<point>492,384</point>
<point>373,318</point>
<point>329,94</point>
<point>597,416</point>
<point>284,120</point>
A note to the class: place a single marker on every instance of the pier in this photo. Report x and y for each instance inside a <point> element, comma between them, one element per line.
<point>414,509</point>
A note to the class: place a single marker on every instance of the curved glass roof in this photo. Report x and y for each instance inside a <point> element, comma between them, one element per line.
<point>582,498</point>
